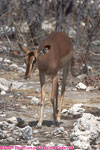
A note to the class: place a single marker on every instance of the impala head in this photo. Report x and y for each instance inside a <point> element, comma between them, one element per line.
<point>30,60</point>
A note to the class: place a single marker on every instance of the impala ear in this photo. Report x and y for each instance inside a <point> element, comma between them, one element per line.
<point>23,48</point>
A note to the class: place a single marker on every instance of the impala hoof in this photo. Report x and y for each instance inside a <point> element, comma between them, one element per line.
<point>56,123</point>
<point>39,126</point>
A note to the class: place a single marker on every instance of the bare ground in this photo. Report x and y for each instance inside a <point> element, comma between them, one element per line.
<point>16,103</point>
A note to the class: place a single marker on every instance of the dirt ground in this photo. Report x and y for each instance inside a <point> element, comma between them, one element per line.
<point>17,103</point>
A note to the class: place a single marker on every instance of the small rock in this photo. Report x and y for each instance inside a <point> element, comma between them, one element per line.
<point>11,96</point>
<point>12,120</point>
<point>64,111</point>
<point>10,139</point>
<point>1,59</point>
<point>27,133</point>
<point>34,142</point>
<point>58,131</point>
<point>24,27</point>
<point>24,107</point>
<point>2,135</point>
<point>17,85</point>
<point>91,88</point>
<point>35,100</point>
<point>36,115</point>
<point>72,33</point>
<point>4,88</point>
<point>74,89</point>
<point>83,23</point>
<point>48,26</point>
<point>7,61</point>
<point>35,131</point>
<point>76,110</point>
<point>7,30</point>
<point>15,121</point>
<point>81,86</point>
<point>11,127</point>
<point>97,42</point>
<point>2,115</point>
<point>4,125</point>
<point>17,133</point>
<point>3,93</point>
<point>13,66</point>
<point>4,84</point>
<point>20,69</point>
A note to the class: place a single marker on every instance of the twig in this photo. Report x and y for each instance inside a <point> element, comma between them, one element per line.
<point>89,44</point>
<point>78,23</point>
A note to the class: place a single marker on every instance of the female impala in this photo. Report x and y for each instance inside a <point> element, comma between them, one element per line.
<point>55,52</point>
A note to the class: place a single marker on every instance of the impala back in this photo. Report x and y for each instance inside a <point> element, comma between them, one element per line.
<point>60,52</point>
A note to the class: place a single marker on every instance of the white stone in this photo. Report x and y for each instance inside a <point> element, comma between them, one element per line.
<point>7,60</point>
<point>58,131</point>
<point>2,87</point>
<point>13,66</point>
<point>24,107</point>
<point>81,86</point>
<point>83,24</point>
<point>64,111</point>
<point>1,59</point>
<point>8,30</point>
<point>72,33</point>
<point>46,25</point>
<point>17,85</point>
<point>86,129</point>
<point>3,93</point>
<point>35,100</point>
<point>97,42</point>
<point>24,27</point>
<point>35,131</point>
<point>2,115</point>
<point>76,110</point>
<point>91,88</point>
<point>27,132</point>
<point>20,69</point>
<point>13,120</point>
<point>5,82</point>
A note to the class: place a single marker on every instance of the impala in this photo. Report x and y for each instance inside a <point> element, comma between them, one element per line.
<point>54,53</point>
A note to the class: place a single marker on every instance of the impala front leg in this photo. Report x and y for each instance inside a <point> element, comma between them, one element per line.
<point>42,82</point>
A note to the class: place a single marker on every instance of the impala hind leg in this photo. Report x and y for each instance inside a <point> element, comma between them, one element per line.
<point>54,98</point>
<point>65,73</point>
<point>42,82</point>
